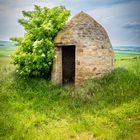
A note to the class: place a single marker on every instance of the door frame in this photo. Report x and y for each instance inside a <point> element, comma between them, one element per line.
<point>74,55</point>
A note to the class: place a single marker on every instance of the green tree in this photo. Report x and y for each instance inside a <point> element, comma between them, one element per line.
<point>35,52</point>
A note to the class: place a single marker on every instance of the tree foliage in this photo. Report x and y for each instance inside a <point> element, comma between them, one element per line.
<point>35,53</point>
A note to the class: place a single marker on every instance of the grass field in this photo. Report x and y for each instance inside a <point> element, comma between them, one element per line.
<point>6,48</point>
<point>124,55</point>
<point>101,109</point>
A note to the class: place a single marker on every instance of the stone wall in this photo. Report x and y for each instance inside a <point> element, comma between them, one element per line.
<point>57,67</point>
<point>92,63</point>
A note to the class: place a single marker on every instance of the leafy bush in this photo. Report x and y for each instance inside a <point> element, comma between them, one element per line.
<point>35,53</point>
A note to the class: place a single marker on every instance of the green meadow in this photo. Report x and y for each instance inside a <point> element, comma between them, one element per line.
<point>106,108</point>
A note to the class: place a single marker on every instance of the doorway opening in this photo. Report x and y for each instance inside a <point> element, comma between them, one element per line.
<point>68,64</point>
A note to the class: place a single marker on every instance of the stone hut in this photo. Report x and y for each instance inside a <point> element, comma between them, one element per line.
<point>83,51</point>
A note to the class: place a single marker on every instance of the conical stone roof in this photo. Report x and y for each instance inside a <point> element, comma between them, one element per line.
<point>83,29</point>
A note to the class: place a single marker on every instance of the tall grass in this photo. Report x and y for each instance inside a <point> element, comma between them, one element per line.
<point>104,108</point>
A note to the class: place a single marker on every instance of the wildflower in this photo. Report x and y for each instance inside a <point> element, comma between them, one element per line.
<point>43,55</point>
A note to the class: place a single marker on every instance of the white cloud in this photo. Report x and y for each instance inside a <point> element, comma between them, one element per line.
<point>10,13</point>
<point>112,16</point>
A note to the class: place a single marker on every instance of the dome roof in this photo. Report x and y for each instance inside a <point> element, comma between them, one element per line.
<point>82,28</point>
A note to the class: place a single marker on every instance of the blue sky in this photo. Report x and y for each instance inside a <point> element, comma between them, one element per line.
<point>121,18</point>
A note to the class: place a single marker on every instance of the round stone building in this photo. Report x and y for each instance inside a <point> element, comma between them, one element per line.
<point>83,51</point>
